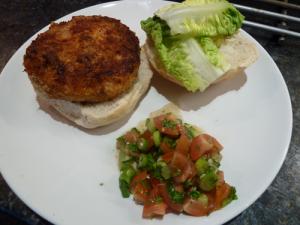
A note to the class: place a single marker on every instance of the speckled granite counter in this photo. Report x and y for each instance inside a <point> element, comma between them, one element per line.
<point>280,204</point>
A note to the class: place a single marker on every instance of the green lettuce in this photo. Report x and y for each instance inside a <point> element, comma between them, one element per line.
<point>195,62</point>
<point>202,17</point>
<point>186,38</point>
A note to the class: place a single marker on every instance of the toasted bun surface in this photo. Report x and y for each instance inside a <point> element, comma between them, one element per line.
<point>237,50</point>
<point>87,59</point>
<point>100,114</point>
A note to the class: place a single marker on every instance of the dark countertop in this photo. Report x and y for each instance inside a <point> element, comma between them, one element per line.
<point>280,203</point>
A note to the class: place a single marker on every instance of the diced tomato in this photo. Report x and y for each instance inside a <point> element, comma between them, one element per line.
<point>167,157</point>
<point>220,177</point>
<point>148,136</point>
<point>138,178</point>
<point>201,145</point>
<point>167,124</point>
<point>222,192</point>
<point>179,188</point>
<point>154,206</point>
<point>141,192</point>
<point>132,136</point>
<point>189,171</point>
<point>165,147</point>
<point>195,208</point>
<point>162,187</point>
<point>183,144</point>
<point>154,209</point>
<point>154,182</point>
<point>182,165</point>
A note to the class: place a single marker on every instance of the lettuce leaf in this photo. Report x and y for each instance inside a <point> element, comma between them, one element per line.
<point>202,18</point>
<point>196,63</point>
<point>187,36</point>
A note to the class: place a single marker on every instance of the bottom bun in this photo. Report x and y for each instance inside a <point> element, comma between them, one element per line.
<point>100,114</point>
<point>238,51</point>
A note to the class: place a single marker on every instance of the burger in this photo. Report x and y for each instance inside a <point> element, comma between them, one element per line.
<point>198,43</point>
<point>90,69</point>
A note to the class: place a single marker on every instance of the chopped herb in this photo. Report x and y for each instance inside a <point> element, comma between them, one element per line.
<point>121,143</point>
<point>135,131</point>
<point>232,196</point>
<point>169,123</point>
<point>190,131</point>
<point>170,142</point>
<point>132,147</point>
<point>158,199</point>
<point>176,196</point>
<point>187,184</point>
<point>194,193</point>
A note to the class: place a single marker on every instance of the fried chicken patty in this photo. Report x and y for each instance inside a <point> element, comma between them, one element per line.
<point>87,59</point>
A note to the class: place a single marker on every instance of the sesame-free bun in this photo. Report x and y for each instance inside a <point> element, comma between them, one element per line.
<point>100,114</point>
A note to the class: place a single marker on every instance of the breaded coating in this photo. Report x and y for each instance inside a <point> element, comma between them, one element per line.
<point>87,59</point>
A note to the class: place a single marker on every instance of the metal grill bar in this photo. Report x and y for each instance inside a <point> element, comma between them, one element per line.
<point>282,4</point>
<point>267,13</point>
<point>273,29</point>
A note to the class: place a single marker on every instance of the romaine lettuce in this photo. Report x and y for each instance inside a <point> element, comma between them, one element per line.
<point>202,17</point>
<point>184,36</point>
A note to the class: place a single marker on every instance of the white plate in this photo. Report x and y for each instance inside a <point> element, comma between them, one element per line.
<point>56,168</point>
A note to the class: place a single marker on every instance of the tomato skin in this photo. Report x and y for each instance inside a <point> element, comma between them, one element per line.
<point>183,144</point>
<point>148,136</point>
<point>138,178</point>
<point>172,131</point>
<point>140,193</point>
<point>175,207</point>
<point>181,163</point>
<point>165,147</point>
<point>222,192</point>
<point>154,209</point>
<point>167,157</point>
<point>195,208</point>
<point>131,136</point>
<point>202,144</point>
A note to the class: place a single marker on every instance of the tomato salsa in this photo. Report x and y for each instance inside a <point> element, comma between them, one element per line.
<point>172,167</point>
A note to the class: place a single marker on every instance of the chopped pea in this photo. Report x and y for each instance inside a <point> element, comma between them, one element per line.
<point>208,181</point>
<point>150,125</point>
<point>127,174</point>
<point>124,187</point>
<point>165,172</point>
<point>146,161</point>
<point>170,142</point>
<point>142,144</point>
<point>203,199</point>
<point>156,138</point>
<point>202,165</point>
